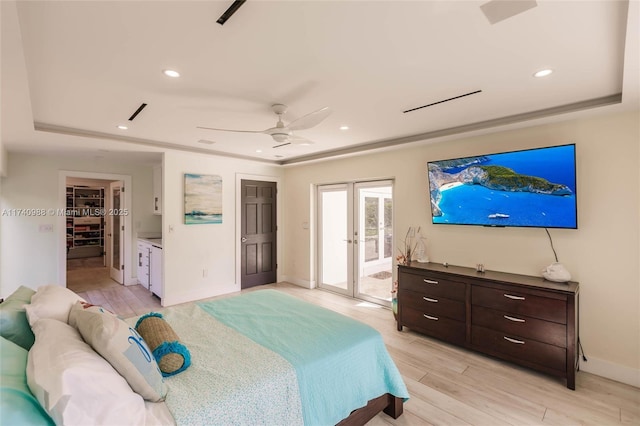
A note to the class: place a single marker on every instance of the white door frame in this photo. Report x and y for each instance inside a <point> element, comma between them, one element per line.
<point>116,274</point>
<point>347,241</point>
<point>129,278</point>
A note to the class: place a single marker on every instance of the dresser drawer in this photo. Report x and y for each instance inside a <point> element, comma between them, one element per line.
<point>518,348</point>
<point>433,305</point>
<point>517,302</point>
<point>434,325</point>
<point>432,285</point>
<point>520,325</point>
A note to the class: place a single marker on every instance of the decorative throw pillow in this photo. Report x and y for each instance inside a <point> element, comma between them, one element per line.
<point>51,301</point>
<point>17,405</point>
<point>171,355</point>
<point>74,384</point>
<point>13,318</point>
<point>125,350</point>
<point>84,306</point>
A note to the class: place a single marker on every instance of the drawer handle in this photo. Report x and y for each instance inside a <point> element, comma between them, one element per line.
<point>509,339</point>
<point>514,319</point>
<point>430,281</point>
<point>511,296</point>
<point>430,317</point>
<point>428,299</point>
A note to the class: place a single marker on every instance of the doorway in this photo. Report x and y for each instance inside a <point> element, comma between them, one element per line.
<point>355,239</point>
<point>90,265</point>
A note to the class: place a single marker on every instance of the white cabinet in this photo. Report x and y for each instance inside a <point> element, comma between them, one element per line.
<point>150,265</point>
<point>155,270</point>
<point>144,252</point>
<point>157,189</point>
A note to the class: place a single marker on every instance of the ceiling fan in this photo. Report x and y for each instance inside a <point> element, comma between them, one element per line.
<point>283,134</point>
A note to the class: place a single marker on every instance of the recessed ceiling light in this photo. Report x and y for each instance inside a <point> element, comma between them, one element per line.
<point>543,73</point>
<point>122,127</point>
<point>344,127</point>
<point>171,73</point>
<point>258,150</point>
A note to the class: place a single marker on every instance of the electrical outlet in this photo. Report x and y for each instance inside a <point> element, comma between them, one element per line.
<point>45,228</point>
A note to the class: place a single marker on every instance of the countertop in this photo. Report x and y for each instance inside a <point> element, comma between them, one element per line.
<point>154,241</point>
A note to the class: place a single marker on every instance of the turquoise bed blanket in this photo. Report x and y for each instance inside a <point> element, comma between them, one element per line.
<point>340,363</point>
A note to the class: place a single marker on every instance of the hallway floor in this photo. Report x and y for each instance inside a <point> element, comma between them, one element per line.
<point>90,280</point>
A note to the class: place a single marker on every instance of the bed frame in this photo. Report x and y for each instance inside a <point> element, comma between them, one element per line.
<point>388,403</point>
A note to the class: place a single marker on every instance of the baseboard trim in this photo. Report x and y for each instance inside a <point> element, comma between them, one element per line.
<point>609,370</point>
<point>300,283</point>
<point>194,296</point>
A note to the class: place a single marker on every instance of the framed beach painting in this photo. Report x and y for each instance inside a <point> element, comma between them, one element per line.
<point>202,199</point>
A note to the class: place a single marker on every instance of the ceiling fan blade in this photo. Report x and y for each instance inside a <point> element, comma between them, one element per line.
<point>230,130</point>
<point>310,120</point>
<point>282,144</point>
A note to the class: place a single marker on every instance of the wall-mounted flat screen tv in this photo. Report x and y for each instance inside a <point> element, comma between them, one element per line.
<point>528,188</point>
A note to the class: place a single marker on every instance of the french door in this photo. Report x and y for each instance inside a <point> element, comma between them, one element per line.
<point>355,239</point>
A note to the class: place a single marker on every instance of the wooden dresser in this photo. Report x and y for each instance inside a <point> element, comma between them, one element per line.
<point>519,318</point>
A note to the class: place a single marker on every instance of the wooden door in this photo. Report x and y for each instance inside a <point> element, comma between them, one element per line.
<point>258,238</point>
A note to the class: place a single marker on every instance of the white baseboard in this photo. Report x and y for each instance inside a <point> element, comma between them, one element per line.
<point>131,281</point>
<point>301,283</point>
<point>198,294</point>
<point>617,372</point>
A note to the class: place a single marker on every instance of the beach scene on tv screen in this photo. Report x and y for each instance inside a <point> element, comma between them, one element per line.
<point>530,188</point>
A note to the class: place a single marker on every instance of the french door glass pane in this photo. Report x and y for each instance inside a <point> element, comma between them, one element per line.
<point>115,231</point>
<point>334,238</point>
<point>375,242</point>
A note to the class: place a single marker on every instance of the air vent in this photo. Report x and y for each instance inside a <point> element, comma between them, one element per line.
<point>140,108</point>
<point>206,142</point>
<point>442,101</point>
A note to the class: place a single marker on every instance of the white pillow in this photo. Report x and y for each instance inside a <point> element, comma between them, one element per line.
<point>75,385</point>
<point>124,348</point>
<point>51,301</point>
<point>84,306</point>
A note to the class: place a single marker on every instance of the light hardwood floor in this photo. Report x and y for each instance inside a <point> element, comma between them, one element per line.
<point>448,385</point>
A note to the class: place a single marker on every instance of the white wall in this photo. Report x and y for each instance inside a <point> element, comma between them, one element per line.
<point>3,160</point>
<point>188,250</point>
<point>603,254</point>
<point>30,257</point>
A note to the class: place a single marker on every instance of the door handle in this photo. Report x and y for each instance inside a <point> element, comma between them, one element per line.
<point>348,241</point>
<point>243,239</point>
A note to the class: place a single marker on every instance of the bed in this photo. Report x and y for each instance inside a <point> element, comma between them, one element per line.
<point>263,357</point>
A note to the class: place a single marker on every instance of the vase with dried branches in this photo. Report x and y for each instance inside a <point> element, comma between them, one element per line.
<point>408,247</point>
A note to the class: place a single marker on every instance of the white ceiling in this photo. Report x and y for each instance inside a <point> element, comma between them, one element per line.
<point>75,70</point>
